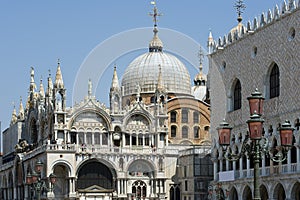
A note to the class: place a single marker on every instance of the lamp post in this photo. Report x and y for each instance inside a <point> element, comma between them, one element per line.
<point>256,144</point>
<point>35,181</point>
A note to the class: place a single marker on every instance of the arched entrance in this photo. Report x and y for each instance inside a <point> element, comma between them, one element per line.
<point>96,177</point>
<point>61,187</point>
<point>139,190</point>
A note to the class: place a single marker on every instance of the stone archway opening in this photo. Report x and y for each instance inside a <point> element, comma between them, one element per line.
<point>95,176</point>
<point>61,186</point>
<point>279,192</point>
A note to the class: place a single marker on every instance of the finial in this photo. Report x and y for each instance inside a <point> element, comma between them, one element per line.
<point>201,57</point>
<point>240,7</point>
<point>155,14</point>
<point>58,61</point>
<point>155,44</point>
<point>49,71</point>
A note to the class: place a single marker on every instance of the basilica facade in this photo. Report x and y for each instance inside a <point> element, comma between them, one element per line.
<point>128,150</point>
<point>262,54</point>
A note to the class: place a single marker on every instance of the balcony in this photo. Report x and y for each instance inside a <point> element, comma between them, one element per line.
<point>268,171</point>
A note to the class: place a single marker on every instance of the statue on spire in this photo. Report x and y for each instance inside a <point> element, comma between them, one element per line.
<point>90,88</point>
<point>240,7</point>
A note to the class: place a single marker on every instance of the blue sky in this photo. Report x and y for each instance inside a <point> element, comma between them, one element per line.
<point>37,33</point>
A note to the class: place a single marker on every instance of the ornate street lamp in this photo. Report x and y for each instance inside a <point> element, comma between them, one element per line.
<point>256,143</point>
<point>35,181</point>
<point>224,132</point>
<point>256,101</point>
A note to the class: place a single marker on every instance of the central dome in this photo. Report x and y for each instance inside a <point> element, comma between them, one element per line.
<point>145,69</point>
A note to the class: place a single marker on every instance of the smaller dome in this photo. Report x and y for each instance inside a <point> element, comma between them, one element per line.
<point>155,44</point>
<point>200,78</point>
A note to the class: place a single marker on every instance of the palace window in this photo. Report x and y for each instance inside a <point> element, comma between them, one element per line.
<point>274,82</point>
<point>237,96</point>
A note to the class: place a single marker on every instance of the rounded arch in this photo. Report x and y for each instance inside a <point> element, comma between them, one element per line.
<point>61,186</point>
<point>101,116</point>
<point>279,192</point>
<point>174,130</point>
<point>184,131</point>
<point>64,163</point>
<point>106,162</point>
<point>93,174</point>
<point>186,142</point>
<point>173,116</point>
<point>137,121</point>
<point>141,167</point>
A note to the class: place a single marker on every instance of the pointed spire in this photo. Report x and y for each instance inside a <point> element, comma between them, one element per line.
<point>21,110</point>
<point>200,78</point>
<point>58,78</point>
<point>155,44</point>
<point>32,83</point>
<point>49,86</point>
<point>90,88</point>
<point>42,91</point>
<point>115,80</point>
<point>160,86</point>
<point>210,42</point>
<point>14,115</point>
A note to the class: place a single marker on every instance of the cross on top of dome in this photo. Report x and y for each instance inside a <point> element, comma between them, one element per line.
<point>155,44</point>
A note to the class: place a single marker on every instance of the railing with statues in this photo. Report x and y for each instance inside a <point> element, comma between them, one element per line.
<point>90,148</point>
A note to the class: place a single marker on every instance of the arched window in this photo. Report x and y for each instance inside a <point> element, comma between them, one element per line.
<point>185,116</point>
<point>173,117</point>
<point>196,132</point>
<point>237,96</point>
<point>196,117</point>
<point>274,82</point>
<point>185,132</point>
<point>173,131</point>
